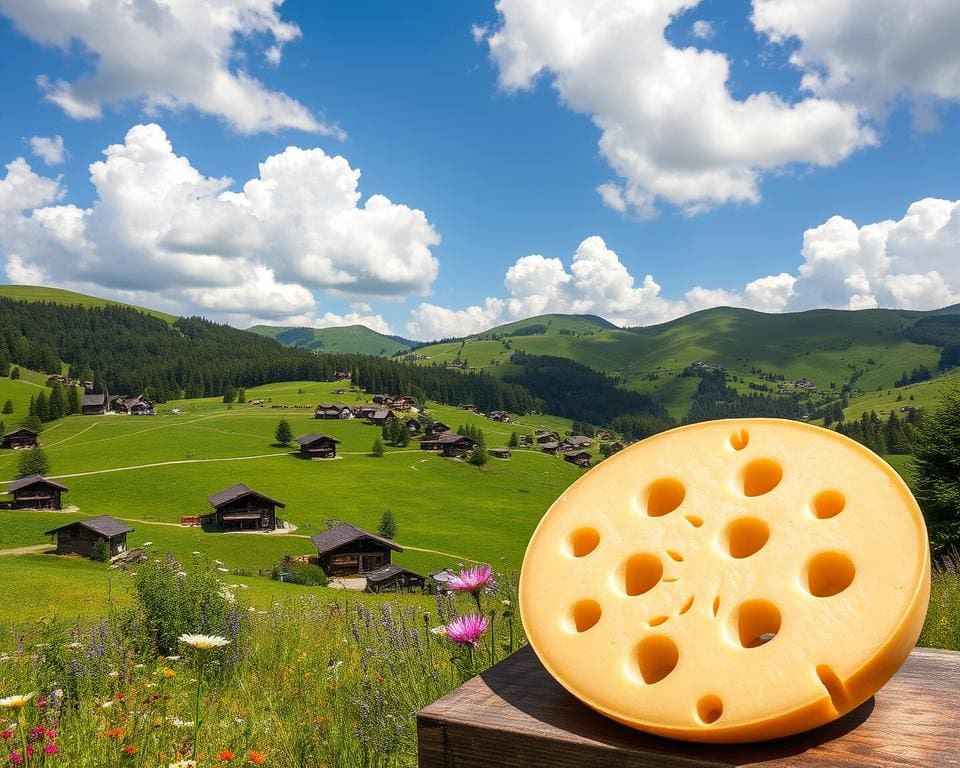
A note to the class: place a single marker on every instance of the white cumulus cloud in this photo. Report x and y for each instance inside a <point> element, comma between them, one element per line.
<point>670,127</point>
<point>702,29</point>
<point>159,227</point>
<point>49,149</point>
<point>167,55</point>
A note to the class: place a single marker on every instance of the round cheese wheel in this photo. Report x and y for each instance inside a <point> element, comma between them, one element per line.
<point>729,581</point>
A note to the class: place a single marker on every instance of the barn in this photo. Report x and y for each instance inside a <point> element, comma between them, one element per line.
<point>20,438</point>
<point>239,508</point>
<point>350,551</point>
<point>80,537</point>
<point>36,492</point>
<point>314,446</point>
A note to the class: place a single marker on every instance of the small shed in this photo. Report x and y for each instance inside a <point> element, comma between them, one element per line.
<point>239,508</point>
<point>439,581</point>
<point>414,427</point>
<point>551,447</point>
<point>452,445</point>
<point>332,411</point>
<point>350,551</point>
<point>580,458</point>
<point>36,492</point>
<point>80,537</point>
<point>20,438</point>
<point>578,441</point>
<point>94,405</point>
<point>500,453</point>
<point>314,446</point>
<point>436,429</point>
<point>393,578</point>
<point>547,437</point>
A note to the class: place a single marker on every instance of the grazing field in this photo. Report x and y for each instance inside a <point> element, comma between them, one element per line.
<point>61,296</point>
<point>151,471</point>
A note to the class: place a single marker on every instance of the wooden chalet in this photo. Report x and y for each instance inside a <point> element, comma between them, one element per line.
<point>393,578</point>
<point>500,453</point>
<point>577,442</point>
<point>137,405</point>
<point>383,416</point>
<point>333,411</point>
<point>36,492</point>
<point>468,407</point>
<point>552,447</point>
<point>350,551</point>
<point>314,446</point>
<point>453,445</point>
<point>366,410</point>
<point>501,416</point>
<point>341,376</point>
<point>547,437</point>
<point>20,438</point>
<point>580,458</point>
<point>239,508</point>
<point>383,400</point>
<point>439,581</point>
<point>436,429</point>
<point>80,537</point>
<point>94,405</point>
<point>414,426</point>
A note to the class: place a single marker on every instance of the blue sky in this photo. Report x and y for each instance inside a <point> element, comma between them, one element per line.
<point>490,128</point>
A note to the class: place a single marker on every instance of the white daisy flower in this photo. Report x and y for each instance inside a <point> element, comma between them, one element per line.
<point>204,642</point>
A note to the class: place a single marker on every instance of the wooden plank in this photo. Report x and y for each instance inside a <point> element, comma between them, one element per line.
<point>516,716</point>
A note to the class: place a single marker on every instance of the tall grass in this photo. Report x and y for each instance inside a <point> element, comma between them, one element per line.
<point>942,628</point>
<point>309,683</point>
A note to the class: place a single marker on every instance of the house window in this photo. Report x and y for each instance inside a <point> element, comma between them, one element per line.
<point>264,519</point>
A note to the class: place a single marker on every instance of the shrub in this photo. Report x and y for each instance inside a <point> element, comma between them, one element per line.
<point>15,373</point>
<point>101,551</point>
<point>306,574</point>
<point>479,456</point>
<point>172,601</point>
<point>377,449</point>
<point>32,462</point>
<point>8,406</point>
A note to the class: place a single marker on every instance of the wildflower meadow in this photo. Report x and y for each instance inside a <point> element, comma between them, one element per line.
<point>192,676</point>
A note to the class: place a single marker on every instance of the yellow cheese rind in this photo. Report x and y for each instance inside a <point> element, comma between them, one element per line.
<point>730,581</point>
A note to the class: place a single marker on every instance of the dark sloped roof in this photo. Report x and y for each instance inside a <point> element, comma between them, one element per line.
<point>453,437</point>
<point>579,440</point>
<point>388,572</point>
<point>381,413</point>
<point>344,534</point>
<point>104,525</point>
<point>312,437</point>
<point>20,431</point>
<point>238,491</point>
<point>23,482</point>
<point>94,399</point>
<point>575,454</point>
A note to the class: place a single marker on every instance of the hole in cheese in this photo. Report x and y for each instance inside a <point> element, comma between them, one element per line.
<point>758,622</point>
<point>695,521</point>
<point>829,573</point>
<point>686,606</point>
<point>834,685</point>
<point>640,574</point>
<point>584,615</point>
<point>761,476</point>
<point>676,556</point>
<point>716,606</point>
<point>827,504</point>
<point>739,440</point>
<point>709,709</point>
<point>664,496</point>
<point>746,536</point>
<point>656,621</point>
<point>657,657</point>
<point>583,541</point>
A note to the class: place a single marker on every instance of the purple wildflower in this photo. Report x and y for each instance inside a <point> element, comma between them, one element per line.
<point>466,630</point>
<point>472,579</point>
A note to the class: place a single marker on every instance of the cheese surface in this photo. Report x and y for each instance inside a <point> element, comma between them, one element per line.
<point>729,581</point>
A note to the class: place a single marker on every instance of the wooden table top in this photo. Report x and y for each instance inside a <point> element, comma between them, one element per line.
<point>515,714</point>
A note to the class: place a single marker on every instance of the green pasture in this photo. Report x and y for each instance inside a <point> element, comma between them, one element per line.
<point>60,296</point>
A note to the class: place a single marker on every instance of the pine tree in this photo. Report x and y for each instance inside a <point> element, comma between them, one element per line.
<point>229,394</point>
<point>57,404</point>
<point>33,423</point>
<point>41,408</point>
<point>934,469</point>
<point>8,406</point>
<point>73,400</point>
<point>403,434</point>
<point>377,449</point>
<point>241,395</point>
<point>15,373</point>
<point>478,457</point>
<point>388,525</point>
<point>283,432</point>
<point>101,550</point>
<point>32,462</point>
<point>514,440</point>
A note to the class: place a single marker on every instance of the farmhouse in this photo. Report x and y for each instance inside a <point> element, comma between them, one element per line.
<point>500,453</point>
<point>366,411</point>
<point>578,441</point>
<point>452,445</point>
<point>239,508</point>
<point>314,446</point>
<point>501,416</point>
<point>333,411</point>
<point>79,538</point>
<point>413,426</point>
<point>132,406</point>
<point>393,578</point>
<point>436,429</point>
<point>580,458</point>
<point>547,437</point>
<point>552,447</point>
<point>36,492</point>
<point>94,405</point>
<point>19,438</point>
<point>350,551</point>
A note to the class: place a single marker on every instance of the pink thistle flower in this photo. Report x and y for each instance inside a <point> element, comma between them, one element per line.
<point>16,758</point>
<point>472,579</point>
<point>466,630</point>
<point>51,749</point>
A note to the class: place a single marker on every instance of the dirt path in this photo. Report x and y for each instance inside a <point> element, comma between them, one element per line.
<point>33,549</point>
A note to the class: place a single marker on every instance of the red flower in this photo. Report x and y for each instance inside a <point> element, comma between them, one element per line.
<point>226,756</point>
<point>256,757</point>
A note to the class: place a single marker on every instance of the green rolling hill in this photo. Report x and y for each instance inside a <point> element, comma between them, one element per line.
<point>349,339</point>
<point>60,296</point>
<point>867,348</point>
